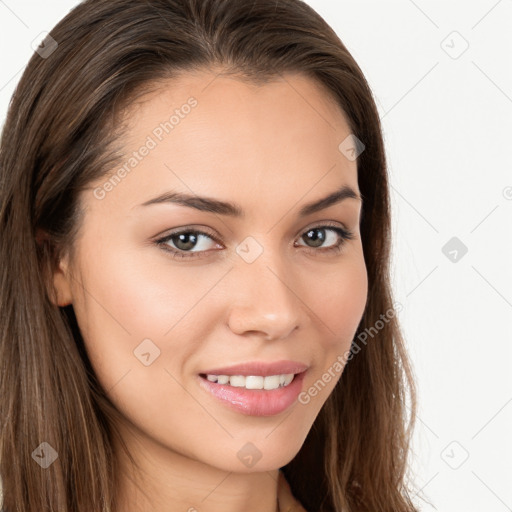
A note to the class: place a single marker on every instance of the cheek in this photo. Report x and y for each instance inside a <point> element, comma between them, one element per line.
<point>158,297</point>
<point>139,330</point>
<point>128,301</point>
<point>338,300</point>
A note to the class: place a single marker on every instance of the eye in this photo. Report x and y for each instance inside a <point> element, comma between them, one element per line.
<point>185,240</point>
<point>193,243</point>
<point>334,235</point>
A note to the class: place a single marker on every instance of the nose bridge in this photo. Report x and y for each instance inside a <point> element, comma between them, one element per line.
<point>264,299</point>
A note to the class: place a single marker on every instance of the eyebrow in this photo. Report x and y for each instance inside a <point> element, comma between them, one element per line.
<point>207,204</point>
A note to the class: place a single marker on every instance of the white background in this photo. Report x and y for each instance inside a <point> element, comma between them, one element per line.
<point>447,120</point>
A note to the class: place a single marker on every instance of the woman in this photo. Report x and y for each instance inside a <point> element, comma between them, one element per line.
<point>196,306</point>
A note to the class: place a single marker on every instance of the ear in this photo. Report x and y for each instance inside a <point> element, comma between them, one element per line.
<point>61,284</point>
<point>61,294</point>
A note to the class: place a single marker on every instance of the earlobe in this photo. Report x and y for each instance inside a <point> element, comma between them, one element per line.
<point>61,286</point>
<point>61,294</point>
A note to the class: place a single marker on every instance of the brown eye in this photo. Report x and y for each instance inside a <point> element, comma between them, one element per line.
<point>333,236</point>
<point>316,236</point>
<point>181,243</point>
<point>185,241</point>
<point>193,243</point>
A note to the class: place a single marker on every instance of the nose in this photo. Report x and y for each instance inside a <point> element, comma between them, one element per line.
<point>263,301</point>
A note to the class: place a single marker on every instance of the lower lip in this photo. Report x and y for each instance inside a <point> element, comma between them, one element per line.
<point>256,402</point>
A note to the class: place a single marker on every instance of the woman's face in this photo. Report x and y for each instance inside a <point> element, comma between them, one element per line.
<point>265,285</point>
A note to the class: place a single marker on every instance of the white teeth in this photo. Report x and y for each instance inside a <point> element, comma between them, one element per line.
<point>223,379</point>
<point>273,381</point>
<point>253,381</point>
<point>237,381</point>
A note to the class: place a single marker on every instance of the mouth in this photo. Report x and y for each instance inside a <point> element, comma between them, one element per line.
<point>268,382</point>
<point>254,395</point>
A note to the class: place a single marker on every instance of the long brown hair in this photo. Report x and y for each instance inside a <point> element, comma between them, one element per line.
<point>60,135</point>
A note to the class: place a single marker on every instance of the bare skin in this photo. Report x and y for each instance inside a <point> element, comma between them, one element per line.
<point>272,152</point>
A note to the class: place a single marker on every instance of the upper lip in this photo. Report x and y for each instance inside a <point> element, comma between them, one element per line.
<point>260,368</point>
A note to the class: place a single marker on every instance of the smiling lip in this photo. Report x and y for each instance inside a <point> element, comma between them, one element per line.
<point>259,368</point>
<point>256,402</point>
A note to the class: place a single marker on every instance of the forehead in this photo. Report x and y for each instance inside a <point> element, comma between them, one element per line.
<point>290,89</point>
<point>222,136</point>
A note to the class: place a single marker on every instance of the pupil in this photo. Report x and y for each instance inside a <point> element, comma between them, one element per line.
<point>317,240</point>
<point>182,239</point>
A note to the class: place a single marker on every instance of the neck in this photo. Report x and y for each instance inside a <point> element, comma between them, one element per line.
<point>172,482</point>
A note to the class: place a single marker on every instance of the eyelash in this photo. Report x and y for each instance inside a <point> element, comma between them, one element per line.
<point>344,235</point>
